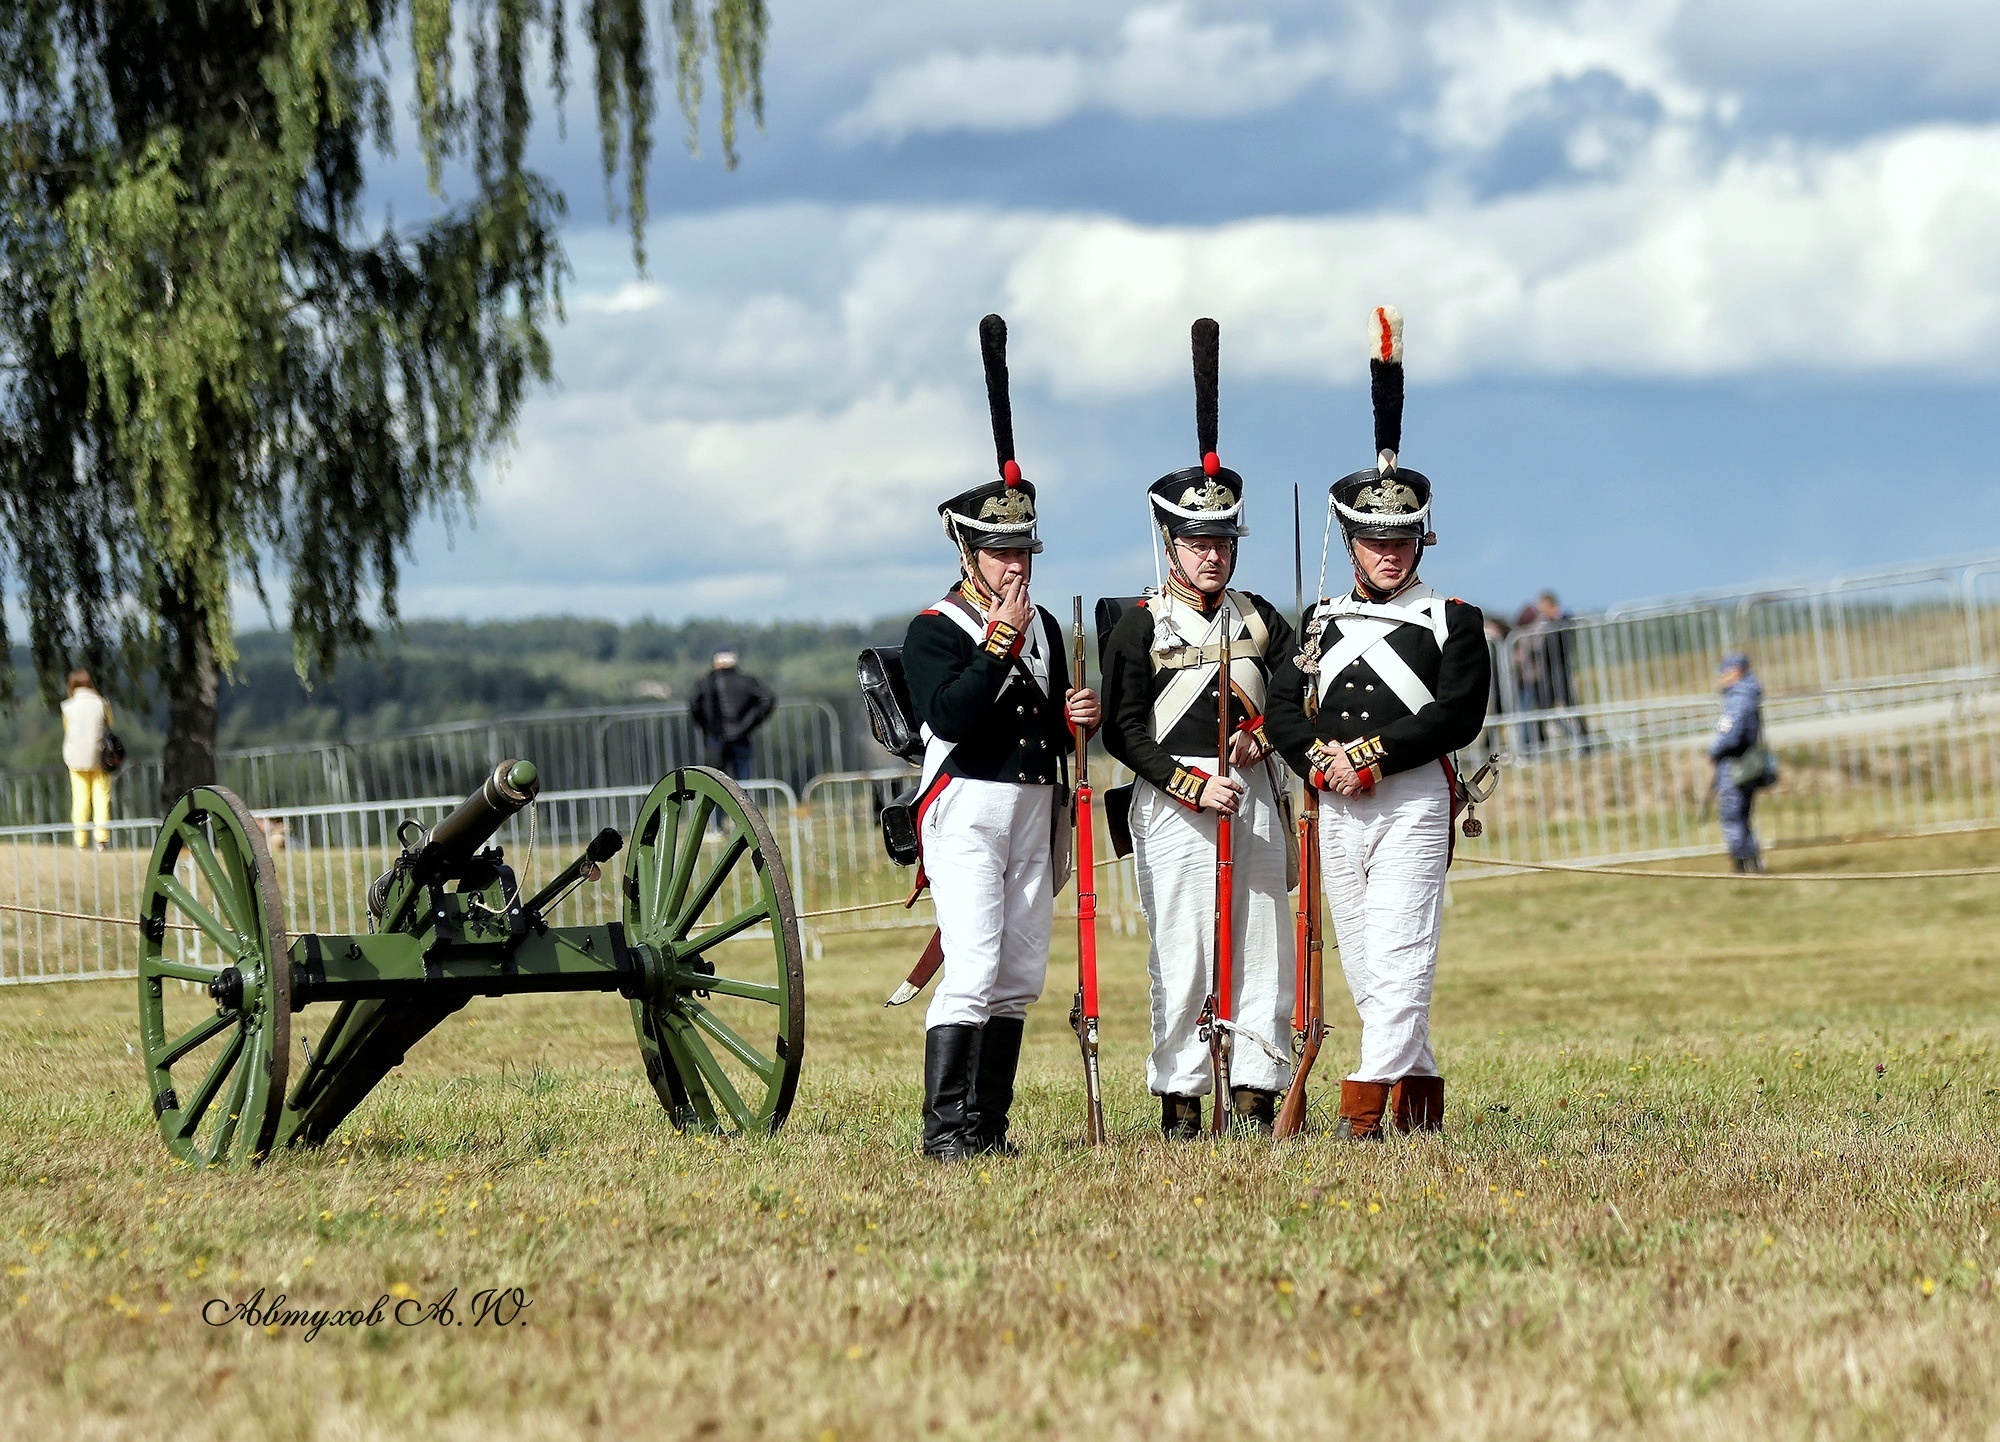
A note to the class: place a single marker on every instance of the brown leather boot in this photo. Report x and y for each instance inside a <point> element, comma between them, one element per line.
<point>1417,1103</point>
<point>1361,1107</point>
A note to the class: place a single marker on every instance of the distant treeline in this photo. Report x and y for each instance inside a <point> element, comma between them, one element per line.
<point>437,671</point>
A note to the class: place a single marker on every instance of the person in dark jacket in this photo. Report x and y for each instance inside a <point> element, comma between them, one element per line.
<point>728,705</point>
<point>987,681</point>
<point>1391,679</point>
<point>1740,730</point>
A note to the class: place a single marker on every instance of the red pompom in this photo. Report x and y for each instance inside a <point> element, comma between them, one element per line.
<point>1012,472</point>
<point>1211,463</point>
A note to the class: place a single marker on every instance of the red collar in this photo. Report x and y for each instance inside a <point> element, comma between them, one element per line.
<point>1181,591</point>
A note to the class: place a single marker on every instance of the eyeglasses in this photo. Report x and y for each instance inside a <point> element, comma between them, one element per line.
<point>1206,545</point>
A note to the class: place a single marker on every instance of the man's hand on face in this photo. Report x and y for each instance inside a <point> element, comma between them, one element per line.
<point>1012,604</point>
<point>1221,793</point>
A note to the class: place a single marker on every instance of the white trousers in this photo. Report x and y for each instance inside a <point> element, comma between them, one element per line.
<point>1175,852</point>
<point>1383,854</point>
<point>986,851</point>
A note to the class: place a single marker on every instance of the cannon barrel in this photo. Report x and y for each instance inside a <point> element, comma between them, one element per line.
<point>454,840</point>
<point>512,785</point>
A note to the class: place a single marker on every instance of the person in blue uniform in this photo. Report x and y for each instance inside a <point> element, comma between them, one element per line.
<point>987,680</point>
<point>1740,730</point>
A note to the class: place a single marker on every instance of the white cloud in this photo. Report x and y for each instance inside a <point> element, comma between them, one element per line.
<point>828,415</point>
<point>1164,62</point>
<point>1501,66</point>
<point>1883,255</point>
<point>1927,50</point>
<point>645,497</point>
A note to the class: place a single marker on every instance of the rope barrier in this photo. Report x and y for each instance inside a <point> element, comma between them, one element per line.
<point>849,910</point>
<point>1102,863</point>
<point>86,916</point>
<point>1938,874</point>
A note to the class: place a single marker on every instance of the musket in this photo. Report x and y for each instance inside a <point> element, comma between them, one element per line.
<point>1309,1011</point>
<point>1309,993</point>
<point>1299,979</point>
<point>1225,899</point>
<point>1083,1011</point>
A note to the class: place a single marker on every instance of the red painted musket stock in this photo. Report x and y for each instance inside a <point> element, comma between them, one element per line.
<point>1225,899</point>
<point>1083,1012</point>
<point>1086,905</point>
<point>1310,1008</point>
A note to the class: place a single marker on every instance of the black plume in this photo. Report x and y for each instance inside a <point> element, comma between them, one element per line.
<point>993,349</point>
<point>1385,389</point>
<point>1207,337</point>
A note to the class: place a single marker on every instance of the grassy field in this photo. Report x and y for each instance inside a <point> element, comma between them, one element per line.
<point>1722,1159</point>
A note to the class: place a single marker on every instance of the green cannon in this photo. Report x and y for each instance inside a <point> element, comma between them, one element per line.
<point>706,952</point>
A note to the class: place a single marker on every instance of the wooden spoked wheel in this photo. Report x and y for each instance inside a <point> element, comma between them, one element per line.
<point>215,1001</point>
<point>722,1023</point>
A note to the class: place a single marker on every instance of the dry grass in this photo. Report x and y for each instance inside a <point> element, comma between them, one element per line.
<point>1721,1161</point>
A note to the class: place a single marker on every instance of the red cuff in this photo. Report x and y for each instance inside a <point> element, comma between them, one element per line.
<point>1318,779</point>
<point>1185,786</point>
<point>1003,640</point>
<point>1250,723</point>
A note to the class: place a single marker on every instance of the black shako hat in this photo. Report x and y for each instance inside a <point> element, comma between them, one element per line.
<point>1385,502</point>
<point>998,515</point>
<point>1203,500</point>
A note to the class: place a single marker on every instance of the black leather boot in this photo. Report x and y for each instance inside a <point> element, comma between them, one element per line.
<point>951,1058</point>
<point>1252,1110</point>
<point>993,1083</point>
<point>1180,1118</point>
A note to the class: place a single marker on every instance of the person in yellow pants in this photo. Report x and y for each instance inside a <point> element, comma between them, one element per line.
<point>86,717</point>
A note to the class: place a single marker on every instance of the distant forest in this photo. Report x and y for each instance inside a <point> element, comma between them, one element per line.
<point>436,671</point>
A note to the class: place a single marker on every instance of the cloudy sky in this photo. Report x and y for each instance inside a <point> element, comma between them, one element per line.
<point>1697,293</point>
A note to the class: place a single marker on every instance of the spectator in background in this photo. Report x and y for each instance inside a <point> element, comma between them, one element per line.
<point>1742,762</point>
<point>1546,651</point>
<point>1557,657</point>
<point>85,720</point>
<point>1501,693</point>
<point>728,705</point>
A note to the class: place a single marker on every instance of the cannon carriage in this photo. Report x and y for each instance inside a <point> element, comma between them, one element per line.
<point>705,950</point>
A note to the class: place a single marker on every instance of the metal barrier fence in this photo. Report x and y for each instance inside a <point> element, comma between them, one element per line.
<point>1907,771</point>
<point>1882,701</point>
<point>611,747</point>
<point>1866,641</point>
<point>1883,705</point>
<point>66,912</point>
